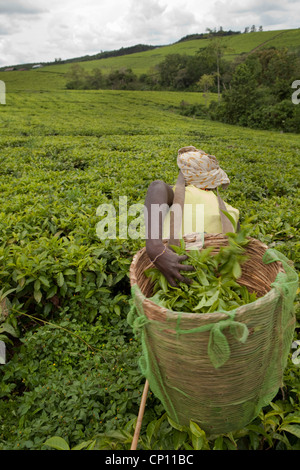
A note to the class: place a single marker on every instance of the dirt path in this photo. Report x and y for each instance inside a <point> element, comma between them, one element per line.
<point>263,43</point>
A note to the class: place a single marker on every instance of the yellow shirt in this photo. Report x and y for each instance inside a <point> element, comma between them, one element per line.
<point>201,213</point>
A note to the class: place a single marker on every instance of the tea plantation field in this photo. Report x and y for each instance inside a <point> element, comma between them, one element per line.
<point>72,371</point>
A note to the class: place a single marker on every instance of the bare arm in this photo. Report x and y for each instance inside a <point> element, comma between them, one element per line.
<point>158,194</point>
<point>161,195</point>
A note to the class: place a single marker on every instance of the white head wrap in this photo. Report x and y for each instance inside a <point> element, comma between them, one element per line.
<point>200,169</point>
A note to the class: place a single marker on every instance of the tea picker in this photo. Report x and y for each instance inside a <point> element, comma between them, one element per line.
<point>191,162</point>
<point>199,176</point>
<point>217,369</point>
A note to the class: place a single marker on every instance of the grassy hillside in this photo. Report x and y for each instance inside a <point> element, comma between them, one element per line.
<point>243,43</point>
<point>52,77</point>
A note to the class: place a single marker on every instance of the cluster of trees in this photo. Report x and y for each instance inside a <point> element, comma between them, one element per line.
<point>80,79</point>
<point>255,90</point>
<point>175,72</point>
<point>260,92</point>
<point>253,29</point>
<point>182,72</point>
<point>209,34</point>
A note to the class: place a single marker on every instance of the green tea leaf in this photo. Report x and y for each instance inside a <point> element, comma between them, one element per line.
<point>196,430</point>
<point>292,429</point>
<point>237,272</point>
<point>7,328</point>
<point>37,295</point>
<point>44,281</point>
<point>232,220</point>
<point>60,279</point>
<point>175,425</point>
<point>57,443</point>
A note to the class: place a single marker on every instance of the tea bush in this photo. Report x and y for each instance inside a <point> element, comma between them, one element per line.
<point>73,370</point>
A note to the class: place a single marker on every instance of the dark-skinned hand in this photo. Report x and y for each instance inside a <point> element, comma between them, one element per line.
<point>170,265</point>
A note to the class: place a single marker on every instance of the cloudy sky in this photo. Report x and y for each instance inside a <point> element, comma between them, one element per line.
<point>42,30</point>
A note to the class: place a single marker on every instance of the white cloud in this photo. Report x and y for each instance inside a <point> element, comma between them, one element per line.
<point>151,22</point>
<point>271,14</point>
<point>19,7</point>
<point>39,30</point>
<point>148,22</point>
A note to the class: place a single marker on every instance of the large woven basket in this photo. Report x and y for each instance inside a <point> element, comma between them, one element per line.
<point>175,357</point>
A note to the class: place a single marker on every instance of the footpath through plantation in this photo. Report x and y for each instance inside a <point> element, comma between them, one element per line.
<point>72,358</point>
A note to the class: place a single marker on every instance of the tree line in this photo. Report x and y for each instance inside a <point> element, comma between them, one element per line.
<point>176,72</point>
<point>253,90</point>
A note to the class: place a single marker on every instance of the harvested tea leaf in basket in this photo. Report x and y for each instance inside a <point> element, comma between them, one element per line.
<point>214,283</point>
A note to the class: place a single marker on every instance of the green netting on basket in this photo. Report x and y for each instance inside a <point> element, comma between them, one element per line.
<point>218,369</point>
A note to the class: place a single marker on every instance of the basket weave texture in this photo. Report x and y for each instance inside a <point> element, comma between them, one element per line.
<point>218,369</point>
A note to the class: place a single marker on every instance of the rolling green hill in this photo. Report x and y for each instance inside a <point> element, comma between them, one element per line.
<point>52,77</point>
<point>142,62</point>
